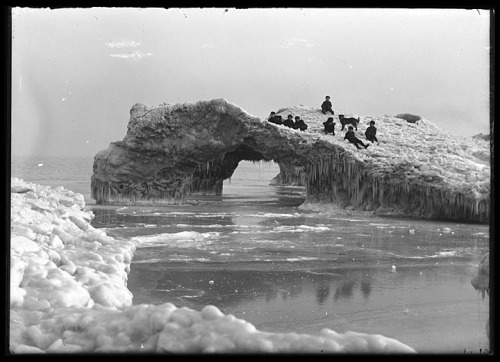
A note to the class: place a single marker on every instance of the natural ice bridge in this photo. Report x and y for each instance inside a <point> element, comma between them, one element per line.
<point>173,151</point>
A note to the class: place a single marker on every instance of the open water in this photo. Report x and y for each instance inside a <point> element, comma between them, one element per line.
<point>253,254</point>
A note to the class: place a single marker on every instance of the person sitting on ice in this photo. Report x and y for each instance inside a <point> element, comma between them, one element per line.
<point>289,121</point>
<point>273,118</point>
<point>329,126</point>
<point>326,106</point>
<point>351,137</point>
<point>300,124</point>
<point>371,132</point>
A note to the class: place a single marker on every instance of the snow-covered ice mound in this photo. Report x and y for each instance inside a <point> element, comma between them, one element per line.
<point>422,149</point>
<point>441,175</point>
<point>68,293</point>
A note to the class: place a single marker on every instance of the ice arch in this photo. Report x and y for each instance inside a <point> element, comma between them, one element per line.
<point>171,151</point>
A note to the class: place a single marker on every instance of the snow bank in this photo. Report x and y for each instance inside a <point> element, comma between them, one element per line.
<point>68,294</point>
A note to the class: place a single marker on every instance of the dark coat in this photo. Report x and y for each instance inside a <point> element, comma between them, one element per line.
<point>370,132</point>
<point>300,124</point>
<point>350,136</point>
<point>276,120</point>
<point>289,123</point>
<point>326,106</point>
<point>329,127</point>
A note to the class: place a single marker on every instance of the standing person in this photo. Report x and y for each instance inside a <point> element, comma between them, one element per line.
<point>371,132</point>
<point>289,121</point>
<point>351,137</point>
<point>326,106</point>
<point>329,126</point>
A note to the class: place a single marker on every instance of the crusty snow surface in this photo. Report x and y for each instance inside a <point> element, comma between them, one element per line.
<point>421,150</point>
<point>68,294</point>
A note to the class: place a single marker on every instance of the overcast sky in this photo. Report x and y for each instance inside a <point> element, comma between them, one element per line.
<point>77,72</point>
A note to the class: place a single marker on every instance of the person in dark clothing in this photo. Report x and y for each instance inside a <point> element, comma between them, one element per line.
<point>277,120</point>
<point>300,124</point>
<point>329,126</point>
<point>273,118</point>
<point>289,121</point>
<point>351,137</point>
<point>371,132</point>
<point>326,106</point>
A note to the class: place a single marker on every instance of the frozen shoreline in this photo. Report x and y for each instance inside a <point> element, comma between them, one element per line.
<point>69,294</point>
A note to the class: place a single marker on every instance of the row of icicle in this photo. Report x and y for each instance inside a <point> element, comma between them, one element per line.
<point>325,181</point>
<point>329,177</point>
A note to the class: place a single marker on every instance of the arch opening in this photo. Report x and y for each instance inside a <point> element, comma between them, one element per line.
<point>210,179</point>
<point>252,179</point>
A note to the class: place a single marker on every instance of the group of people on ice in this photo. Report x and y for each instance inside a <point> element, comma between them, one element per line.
<point>329,125</point>
<point>289,122</point>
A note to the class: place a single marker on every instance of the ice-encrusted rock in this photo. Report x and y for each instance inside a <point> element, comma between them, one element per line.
<point>418,169</point>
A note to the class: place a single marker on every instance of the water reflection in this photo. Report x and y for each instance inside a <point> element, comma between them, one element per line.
<point>365,286</point>
<point>196,288</point>
<point>345,290</point>
<point>322,294</point>
<point>230,289</point>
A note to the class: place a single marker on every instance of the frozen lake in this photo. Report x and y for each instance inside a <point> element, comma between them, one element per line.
<point>253,254</point>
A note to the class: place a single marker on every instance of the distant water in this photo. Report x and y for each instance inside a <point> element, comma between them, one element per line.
<point>71,172</point>
<point>252,253</point>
